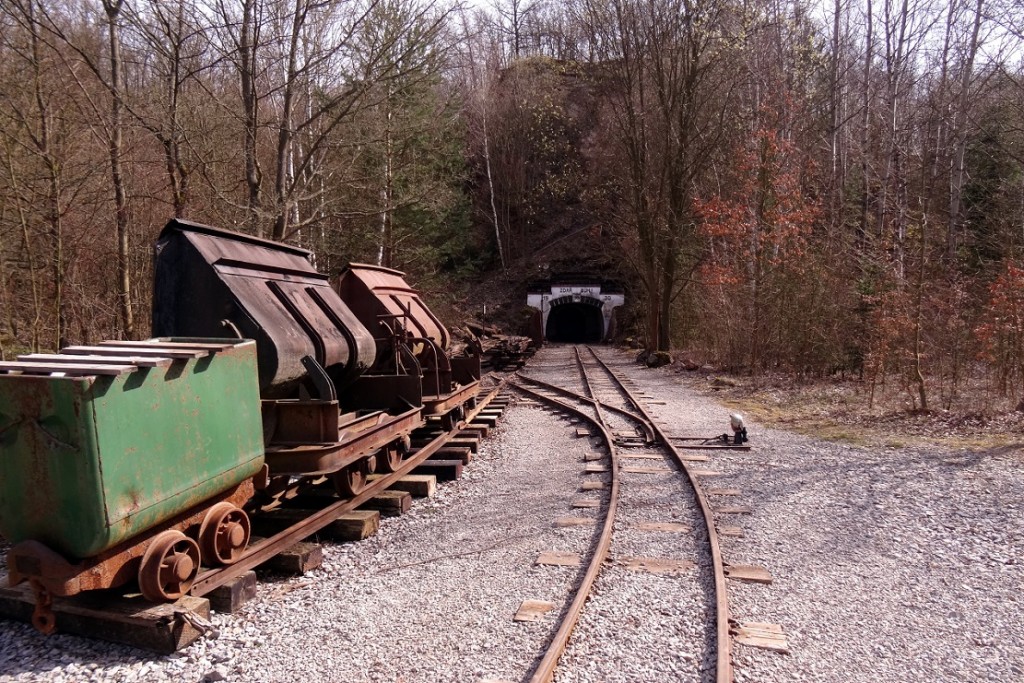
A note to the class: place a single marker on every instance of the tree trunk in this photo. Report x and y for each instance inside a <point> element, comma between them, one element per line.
<point>250,102</point>
<point>490,191</point>
<point>385,253</point>
<point>918,318</point>
<point>124,284</point>
<point>960,117</point>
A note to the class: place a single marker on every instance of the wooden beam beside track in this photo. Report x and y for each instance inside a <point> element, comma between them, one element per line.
<point>130,621</point>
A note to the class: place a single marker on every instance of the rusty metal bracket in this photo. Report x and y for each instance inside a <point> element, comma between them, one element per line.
<point>43,618</point>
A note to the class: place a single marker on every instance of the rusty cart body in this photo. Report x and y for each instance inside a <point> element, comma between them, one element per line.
<point>314,353</point>
<point>407,333</point>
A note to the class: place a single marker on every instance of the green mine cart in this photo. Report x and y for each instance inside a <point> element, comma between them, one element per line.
<point>103,447</point>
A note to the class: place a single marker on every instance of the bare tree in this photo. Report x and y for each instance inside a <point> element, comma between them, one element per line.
<point>35,119</point>
<point>173,40</point>
<point>667,65</point>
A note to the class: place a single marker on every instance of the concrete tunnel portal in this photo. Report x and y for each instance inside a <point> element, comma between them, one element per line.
<point>576,310</point>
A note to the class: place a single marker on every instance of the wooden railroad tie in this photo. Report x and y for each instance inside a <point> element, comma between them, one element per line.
<point>593,486</point>
<point>495,411</point>
<point>706,473</point>
<point>472,443</point>
<point>580,432</point>
<point>474,431</point>
<point>558,559</point>
<point>760,635</point>
<point>300,558</point>
<point>390,503</point>
<point>636,469</point>
<point>735,510</point>
<point>661,526</point>
<point>749,573</point>
<point>595,468</point>
<point>461,453</point>
<point>574,521</point>
<point>586,503</point>
<point>419,440</point>
<point>731,531</point>
<point>485,420</point>
<point>229,598</point>
<point>350,526</point>
<point>723,492</point>
<point>482,429</point>
<point>444,470</point>
<point>642,456</point>
<point>532,610</point>
<point>131,621</point>
<point>417,485</point>
<point>655,565</point>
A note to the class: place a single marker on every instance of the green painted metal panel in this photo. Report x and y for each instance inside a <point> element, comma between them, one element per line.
<point>86,463</point>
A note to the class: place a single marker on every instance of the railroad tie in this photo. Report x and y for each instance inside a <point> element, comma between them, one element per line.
<point>760,635</point>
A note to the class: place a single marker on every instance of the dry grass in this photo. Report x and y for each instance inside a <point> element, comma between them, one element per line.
<point>838,411</point>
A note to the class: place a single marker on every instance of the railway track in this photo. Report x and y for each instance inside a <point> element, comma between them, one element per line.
<point>260,552</point>
<point>615,413</point>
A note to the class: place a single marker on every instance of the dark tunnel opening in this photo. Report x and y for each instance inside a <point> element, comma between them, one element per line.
<point>574,323</point>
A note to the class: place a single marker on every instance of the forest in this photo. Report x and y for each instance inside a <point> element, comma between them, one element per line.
<point>817,188</point>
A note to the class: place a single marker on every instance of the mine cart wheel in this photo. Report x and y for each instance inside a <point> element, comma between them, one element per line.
<point>351,480</point>
<point>453,417</point>
<point>390,457</point>
<point>224,534</point>
<point>169,567</point>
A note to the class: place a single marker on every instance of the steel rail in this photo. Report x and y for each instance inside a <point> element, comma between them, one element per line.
<point>266,549</point>
<point>723,669</point>
<point>544,671</point>
<point>648,432</point>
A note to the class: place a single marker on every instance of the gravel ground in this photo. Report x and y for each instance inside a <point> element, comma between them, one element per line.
<point>899,564</point>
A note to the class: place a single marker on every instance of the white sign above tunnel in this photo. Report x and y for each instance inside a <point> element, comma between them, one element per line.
<point>576,313</point>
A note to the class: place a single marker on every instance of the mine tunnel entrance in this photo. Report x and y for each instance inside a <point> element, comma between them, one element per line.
<point>575,323</point>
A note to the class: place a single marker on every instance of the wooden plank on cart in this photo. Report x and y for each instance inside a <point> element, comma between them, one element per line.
<point>161,344</point>
<point>64,359</point>
<point>132,351</point>
<point>76,369</point>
